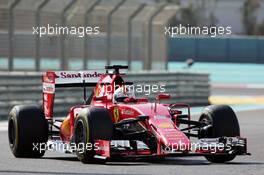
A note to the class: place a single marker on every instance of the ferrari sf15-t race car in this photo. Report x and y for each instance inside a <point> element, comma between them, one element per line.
<point>113,123</point>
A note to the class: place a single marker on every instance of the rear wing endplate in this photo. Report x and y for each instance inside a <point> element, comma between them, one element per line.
<point>54,79</point>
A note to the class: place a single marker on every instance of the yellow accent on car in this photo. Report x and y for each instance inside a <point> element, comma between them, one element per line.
<point>116,114</point>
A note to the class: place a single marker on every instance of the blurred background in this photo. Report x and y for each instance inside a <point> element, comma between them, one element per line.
<point>132,33</point>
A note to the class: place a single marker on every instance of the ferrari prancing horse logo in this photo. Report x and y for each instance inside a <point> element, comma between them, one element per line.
<point>116,114</point>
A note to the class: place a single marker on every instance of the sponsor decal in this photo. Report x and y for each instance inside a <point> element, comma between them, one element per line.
<point>116,114</point>
<point>79,74</point>
<point>49,88</point>
<point>128,112</point>
<point>63,77</point>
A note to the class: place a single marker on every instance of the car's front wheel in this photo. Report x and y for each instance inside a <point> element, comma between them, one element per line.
<point>223,122</point>
<point>91,124</point>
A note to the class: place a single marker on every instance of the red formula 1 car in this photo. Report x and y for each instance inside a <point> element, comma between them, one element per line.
<point>113,123</point>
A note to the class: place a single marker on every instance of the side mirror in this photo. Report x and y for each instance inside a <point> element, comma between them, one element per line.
<point>159,97</point>
<point>163,96</point>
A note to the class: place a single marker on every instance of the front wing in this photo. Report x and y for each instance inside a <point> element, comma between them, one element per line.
<point>204,147</point>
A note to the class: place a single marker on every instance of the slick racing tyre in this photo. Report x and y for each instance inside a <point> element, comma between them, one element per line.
<point>91,124</point>
<point>27,130</point>
<point>224,123</point>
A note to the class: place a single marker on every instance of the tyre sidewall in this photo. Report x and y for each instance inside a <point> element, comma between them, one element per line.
<point>31,129</point>
<point>84,155</point>
<point>97,125</point>
<point>224,123</point>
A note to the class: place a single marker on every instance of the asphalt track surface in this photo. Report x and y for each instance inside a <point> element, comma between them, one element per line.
<point>252,127</point>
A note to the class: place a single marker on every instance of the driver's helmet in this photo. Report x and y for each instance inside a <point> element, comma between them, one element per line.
<point>122,93</point>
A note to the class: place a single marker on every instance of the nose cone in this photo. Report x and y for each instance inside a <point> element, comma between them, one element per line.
<point>174,140</point>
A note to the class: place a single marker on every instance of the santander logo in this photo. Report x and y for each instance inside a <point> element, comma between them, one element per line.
<point>79,75</point>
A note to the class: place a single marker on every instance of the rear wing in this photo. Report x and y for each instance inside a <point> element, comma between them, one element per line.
<point>72,78</point>
<point>56,79</point>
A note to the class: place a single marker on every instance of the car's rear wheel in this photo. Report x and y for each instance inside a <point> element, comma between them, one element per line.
<point>27,131</point>
<point>224,123</point>
<point>91,124</point>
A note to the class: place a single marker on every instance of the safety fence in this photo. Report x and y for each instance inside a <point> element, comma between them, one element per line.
<point>125,30</point>
<point>130,31</point>
<point>26,88</point>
